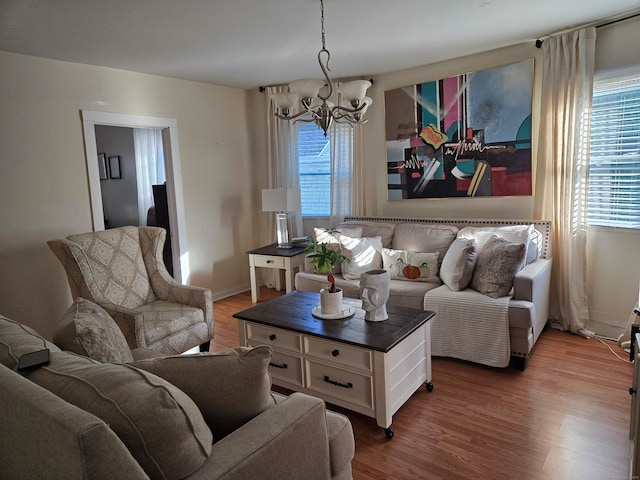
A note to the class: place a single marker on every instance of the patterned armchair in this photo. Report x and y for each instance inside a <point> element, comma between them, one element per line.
<point>122,271</point>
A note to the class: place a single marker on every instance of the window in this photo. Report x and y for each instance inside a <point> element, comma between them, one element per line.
<point>614,164</point>
<point>314,156</point>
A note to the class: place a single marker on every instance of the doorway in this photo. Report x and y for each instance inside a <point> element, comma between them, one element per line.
<point>175,203</point>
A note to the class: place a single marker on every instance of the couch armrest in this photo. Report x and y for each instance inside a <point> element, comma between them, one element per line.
<point>533,280</point>
<point>289,440</point>
<point>130,323</point>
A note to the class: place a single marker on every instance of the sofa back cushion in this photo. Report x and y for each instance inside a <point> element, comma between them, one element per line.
<point>160,425</point>
<point>17,339</point>
<point>371,229</point>
<point>86,329</point>
<point>230,387</point>
<point>512,233</point>
<point>420,237</point>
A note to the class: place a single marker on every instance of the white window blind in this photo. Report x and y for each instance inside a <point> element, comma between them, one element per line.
<point>314,154</point>
<point>614,163</point>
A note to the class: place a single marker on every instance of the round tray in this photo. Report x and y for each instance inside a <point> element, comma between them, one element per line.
<point>346,312</point>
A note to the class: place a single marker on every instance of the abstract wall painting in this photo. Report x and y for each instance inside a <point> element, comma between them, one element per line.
<point>463,136</point>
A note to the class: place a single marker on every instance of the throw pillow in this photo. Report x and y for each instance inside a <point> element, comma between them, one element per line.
<point>411,266</point>
<point>160,425</point>
<point>86,329</point>
<point>332,237</point>
<point>497,265</point>
<point>365,254</point>
<point>17,339</point>
<point>230,387</point>
<point>458,263</point>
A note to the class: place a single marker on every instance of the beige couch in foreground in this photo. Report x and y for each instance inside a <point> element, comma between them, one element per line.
<point>184,416</point>
<point>494,328</point>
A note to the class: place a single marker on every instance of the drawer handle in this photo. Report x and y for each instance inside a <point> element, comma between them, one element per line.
<point>284,365</point>
<point>338,384</point>
<point>272,337</point>
<point>269,261</point>
<point>335,353</point>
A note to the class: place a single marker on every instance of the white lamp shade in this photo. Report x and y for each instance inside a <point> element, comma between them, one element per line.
<point>281,200</point>
<point>366,100</point>
<point>285,100</point>
<point>307,87</point>
<point>354,90</point>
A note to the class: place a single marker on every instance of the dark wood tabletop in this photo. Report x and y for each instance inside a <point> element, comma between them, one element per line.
<point>293,312</point>
<point>277,252</point>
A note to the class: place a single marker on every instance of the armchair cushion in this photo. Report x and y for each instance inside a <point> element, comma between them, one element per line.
<point>86,329</point>
<point>230,387</point>
<point>160,425</point>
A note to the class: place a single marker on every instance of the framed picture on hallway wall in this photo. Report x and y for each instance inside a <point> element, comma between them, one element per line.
<point>102,166</point>
<point>463,136</point>
<point>114,167</point>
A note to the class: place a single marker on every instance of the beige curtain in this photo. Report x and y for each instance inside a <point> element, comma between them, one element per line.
<point>347,172</point>
<point>283,170</point>
<point>562,169</point>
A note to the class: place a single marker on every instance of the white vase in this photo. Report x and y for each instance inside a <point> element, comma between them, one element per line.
<point>374,293</point>
<point>330,303</point>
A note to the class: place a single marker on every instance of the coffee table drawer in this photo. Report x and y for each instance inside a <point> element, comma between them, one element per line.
<point>340,354</point>
<point>274,337</point>
<point>287,368</point>
<point>269,262</point>
<point>341,384</point>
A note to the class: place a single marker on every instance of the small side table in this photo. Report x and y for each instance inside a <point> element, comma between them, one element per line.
<point>287,259</point>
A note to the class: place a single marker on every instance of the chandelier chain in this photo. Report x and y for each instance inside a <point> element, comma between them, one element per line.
<point>322,23</point>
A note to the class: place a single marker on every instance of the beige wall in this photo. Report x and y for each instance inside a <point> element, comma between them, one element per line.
<point>222,133</point>
<point>43,179</point>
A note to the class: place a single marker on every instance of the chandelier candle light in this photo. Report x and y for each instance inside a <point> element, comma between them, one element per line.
<point>314,94</point>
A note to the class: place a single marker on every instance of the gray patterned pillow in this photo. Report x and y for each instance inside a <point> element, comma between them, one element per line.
<point>497,265</point>
<point>86,329</point>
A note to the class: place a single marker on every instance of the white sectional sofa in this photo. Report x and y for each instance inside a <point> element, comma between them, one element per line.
<point>490,295</point>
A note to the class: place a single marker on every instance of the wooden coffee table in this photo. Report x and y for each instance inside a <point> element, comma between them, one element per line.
<point>368,367</point>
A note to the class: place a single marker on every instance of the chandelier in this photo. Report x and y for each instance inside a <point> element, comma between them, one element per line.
<point>313,95</point>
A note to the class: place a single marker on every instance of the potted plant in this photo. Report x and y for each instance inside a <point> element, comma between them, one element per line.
<point>326,256</point>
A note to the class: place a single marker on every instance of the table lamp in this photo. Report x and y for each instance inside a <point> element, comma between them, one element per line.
<point>282,201</point>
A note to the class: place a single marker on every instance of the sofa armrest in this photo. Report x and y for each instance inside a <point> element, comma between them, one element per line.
<point>533,280</point>
<point>288,440</point>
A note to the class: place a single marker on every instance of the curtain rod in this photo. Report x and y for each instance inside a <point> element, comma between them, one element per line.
<point>596,24</point>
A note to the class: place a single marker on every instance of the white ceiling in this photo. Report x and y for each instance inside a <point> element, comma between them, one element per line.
<point>249,43</point>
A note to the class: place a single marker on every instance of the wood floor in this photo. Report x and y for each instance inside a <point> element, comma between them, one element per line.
<point>565,417</point>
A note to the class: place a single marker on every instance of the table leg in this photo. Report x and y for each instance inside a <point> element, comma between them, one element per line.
<point>288,275</point>
<point>255,291</point>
